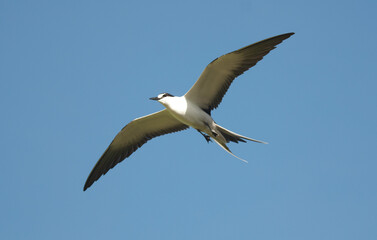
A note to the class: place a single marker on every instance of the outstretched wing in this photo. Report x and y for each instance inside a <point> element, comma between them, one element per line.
<point>130,138</point>
<point>216,78</point>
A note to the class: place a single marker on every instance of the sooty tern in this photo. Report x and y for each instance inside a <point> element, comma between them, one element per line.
<point>190,110</point>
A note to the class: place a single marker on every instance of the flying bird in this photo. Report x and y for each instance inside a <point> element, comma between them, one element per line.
<point>190,110</point>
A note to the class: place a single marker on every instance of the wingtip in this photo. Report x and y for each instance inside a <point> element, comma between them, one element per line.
<point>286,35</point>
<point>289,34</point>
<point>86,186</point>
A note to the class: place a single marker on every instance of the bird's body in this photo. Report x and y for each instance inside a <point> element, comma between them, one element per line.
<point>188,113</point>
<point>190,110</point>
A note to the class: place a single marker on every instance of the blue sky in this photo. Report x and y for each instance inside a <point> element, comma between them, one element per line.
<point>73,73</point>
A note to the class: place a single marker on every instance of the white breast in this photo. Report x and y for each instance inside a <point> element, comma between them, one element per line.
<point>188,113</point>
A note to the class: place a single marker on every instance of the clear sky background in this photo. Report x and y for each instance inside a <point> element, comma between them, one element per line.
<point>73,73</point>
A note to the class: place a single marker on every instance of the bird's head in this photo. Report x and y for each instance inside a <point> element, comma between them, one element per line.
<point>162,97</point>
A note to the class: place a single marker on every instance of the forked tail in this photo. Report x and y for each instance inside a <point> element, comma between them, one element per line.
<point>225,147</point>
<point>230,136</point>
<point>234,137</point>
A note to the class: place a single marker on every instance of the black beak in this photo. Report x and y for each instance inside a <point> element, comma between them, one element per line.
<point>153,98</point>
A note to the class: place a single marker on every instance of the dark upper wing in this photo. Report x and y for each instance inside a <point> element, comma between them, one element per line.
<point>130,138</point>
<point>216,78</point>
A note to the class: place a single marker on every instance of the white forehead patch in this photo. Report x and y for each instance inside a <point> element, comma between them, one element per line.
<point>160,95</point>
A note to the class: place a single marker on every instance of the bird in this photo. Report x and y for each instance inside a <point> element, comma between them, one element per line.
<point>190,110</point>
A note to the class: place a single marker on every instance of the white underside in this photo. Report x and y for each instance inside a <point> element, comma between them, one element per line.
<point>188,113</point>
<point>193,116</point>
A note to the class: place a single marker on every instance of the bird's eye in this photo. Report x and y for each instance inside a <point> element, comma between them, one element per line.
<point>167,95</point>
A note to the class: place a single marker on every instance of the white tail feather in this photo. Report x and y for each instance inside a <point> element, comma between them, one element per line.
<point>237,136</point>
<point>225,147</point>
